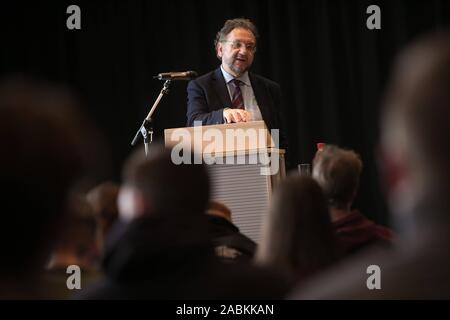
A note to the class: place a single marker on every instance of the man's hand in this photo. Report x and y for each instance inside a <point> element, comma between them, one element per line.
<point>236,115</point>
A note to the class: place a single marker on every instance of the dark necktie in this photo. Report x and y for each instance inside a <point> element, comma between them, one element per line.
<point>237,101</point>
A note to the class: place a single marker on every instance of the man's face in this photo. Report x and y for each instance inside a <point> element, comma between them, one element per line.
<point>237,51</point>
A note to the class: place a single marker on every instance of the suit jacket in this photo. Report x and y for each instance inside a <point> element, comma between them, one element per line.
<point>208,96</point>
<point>226,234</point>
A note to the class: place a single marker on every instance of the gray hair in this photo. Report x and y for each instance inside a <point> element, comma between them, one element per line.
<point>230,25</point>
<point>337,171</point>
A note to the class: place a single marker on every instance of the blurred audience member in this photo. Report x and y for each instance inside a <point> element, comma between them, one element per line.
<point>298,237</point>
<point>103,199</point>
<point>161,248</point>
<point>338,171</point>
<point>229,244</point>
<point>415,163</point>
<point>77,246</point>
<point>42,159</point>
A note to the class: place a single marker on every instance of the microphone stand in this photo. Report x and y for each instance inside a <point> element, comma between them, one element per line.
<point>146,129</point>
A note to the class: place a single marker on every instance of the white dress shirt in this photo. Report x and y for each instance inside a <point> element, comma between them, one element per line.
<point>247,93</point>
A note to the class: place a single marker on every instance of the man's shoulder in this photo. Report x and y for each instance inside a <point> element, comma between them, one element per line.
<point>266,81</point>
<point>207,77</point>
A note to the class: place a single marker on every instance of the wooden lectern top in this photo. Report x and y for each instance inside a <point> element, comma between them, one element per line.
<point>246,137</point>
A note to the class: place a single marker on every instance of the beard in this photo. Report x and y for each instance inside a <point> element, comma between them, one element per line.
<point>239,68</point>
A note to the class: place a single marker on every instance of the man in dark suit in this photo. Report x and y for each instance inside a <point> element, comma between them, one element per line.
<point>231,93</point>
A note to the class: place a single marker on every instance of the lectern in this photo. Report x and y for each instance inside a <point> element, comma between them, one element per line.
<point>244,166</point>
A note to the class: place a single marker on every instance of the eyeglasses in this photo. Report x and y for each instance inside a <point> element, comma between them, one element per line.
<point>239,44</point>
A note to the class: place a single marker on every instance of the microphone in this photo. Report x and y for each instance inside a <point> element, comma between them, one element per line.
<point>186,75</point>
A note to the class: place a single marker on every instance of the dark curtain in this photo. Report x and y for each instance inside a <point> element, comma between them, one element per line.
<point>332,69</point>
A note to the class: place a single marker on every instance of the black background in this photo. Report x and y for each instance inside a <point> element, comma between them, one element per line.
<point>332,69</point>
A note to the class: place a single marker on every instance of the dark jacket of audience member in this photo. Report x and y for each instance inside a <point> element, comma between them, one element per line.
<point>229,243</point>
